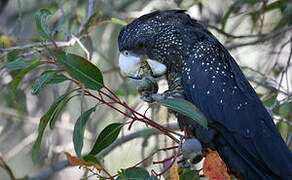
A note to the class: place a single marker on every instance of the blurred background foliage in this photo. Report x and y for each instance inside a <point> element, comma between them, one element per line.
<point>257,32</point>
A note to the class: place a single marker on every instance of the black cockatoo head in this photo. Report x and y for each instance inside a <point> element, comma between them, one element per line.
<point>161,38</point>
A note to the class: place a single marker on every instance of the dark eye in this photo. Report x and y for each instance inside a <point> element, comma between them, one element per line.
<point>126,53</point>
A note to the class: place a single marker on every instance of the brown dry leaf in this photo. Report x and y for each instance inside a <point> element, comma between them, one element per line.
<point>173,172</point>
<point>98,167</point>
<point>74,161</point>
<point>214,167</point>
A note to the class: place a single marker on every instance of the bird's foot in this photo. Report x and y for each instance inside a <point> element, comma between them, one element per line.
<point>150,98</point>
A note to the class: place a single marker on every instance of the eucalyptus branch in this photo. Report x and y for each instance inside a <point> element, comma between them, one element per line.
<point>71,42</point>
<point>134,115</point>
<point>58,166</point>
<point>90,10</point>
<point>229,35</point>
<point>6,167</point>
<point>262,38</point>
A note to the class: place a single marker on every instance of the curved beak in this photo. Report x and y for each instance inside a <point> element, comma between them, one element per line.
<point>131,65</point>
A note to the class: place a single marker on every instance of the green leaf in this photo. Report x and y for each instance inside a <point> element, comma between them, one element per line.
<point>39,84</point>
<point>92,20</point>
<point>16,65</point>
<point>16,80</point>
<point>269,101</point>
<point>51,114</point>
<point>146,136</point>
<point>134,173</point>
<point>58,110</point>
<point>47,77</point>
<point>186,108</point>
<point>152,177</point>
<point>41,23</point>
<point>226,16</point>
<point>285,110</point>
<point>283,128</point>
<point>10,56</point>
<point>91,159</point>
<point>119,22</point>
<point>57,78</point>
<point>79,128</point>
<point>188,174</point>
<point>80,69</point>
<point>107,136</point>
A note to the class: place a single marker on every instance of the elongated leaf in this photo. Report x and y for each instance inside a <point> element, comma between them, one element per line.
<point>92,20</point>
<point>58,110</point>
<point>80,69</point>
<point>283,128</point>
<point>16,80</point>
<point>91,159</point>
<point>269,101</point>
<point>186,108</point>
<point>119,22</point>
<point>226,16</point>
<point>107,136</point>
<point>47,77</point>
<point>57,78</point>
<point>188,174</point>
<point>285,110</point>
<point>39,84</point>
<point>41,23</point>
<point>16,65</point>
<point>134,173</point>
<point>10,56</point>
<point>79,128</point>
<point>49,116</point>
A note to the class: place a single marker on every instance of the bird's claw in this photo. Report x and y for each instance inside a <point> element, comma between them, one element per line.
<point>150,98</point>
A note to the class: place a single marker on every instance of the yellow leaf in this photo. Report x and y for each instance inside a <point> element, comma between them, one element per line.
<point>173,172</point>
<point>6,40</point>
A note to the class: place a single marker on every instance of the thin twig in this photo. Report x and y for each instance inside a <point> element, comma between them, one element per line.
<point>71,42</point>
<point>58,166</point>
<point>229,35</point>
<point>5,166</point>
<point>90,10</point>
<point>260,40</point>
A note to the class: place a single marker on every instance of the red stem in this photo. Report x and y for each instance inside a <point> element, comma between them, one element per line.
<point>134,113</point>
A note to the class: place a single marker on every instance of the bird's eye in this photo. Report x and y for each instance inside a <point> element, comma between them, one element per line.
<point>126,53</point>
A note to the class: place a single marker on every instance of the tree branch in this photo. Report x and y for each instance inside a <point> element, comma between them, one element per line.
<point>5,166</point>
<point>71,42</point>
<point>261,39</point>
<point>58,166</point>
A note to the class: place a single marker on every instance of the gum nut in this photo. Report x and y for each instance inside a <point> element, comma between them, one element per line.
<point>191,148</point>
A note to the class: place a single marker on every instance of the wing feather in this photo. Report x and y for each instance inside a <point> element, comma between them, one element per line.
<point>215,84</point>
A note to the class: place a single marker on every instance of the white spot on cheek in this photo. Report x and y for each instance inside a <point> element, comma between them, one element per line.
<point>129,64</point>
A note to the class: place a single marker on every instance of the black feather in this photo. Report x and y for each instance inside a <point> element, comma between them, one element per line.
<point>246,136</point>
